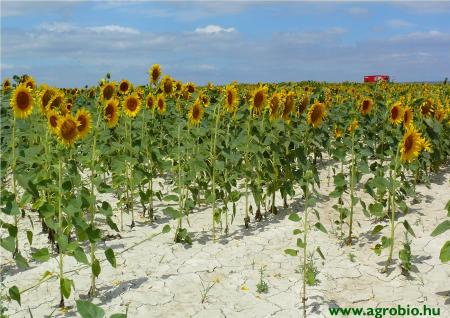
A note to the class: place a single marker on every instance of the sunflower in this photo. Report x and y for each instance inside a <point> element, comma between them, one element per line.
<point>288,105</point>
<point>353,126</point>
<point>427,108</point>
<point>316,114</point>
<point>440,114</point>
<point>411,144</point>
<point>204,99</point>
<point>6,86</point>
<point>258,99</point>
<point>67,130</point>
<point>150,102</point>
<point>185,94</point>
<point>155,73</point>
<point>84,119</point>
<point>124,86</point>
<point>29,82</point>
<point>52,120</point>
<point>407,116</point>
<point>337,132</point>
<point>111,113</point>
<point>396,113</point>
<point>161,103</point>
<point>45,95</point>
<point>108,91</point>
<point>195,114</point>
<point>303,104</point>
<point>167,85</point>
<point>274,106</point>
<point>22,101</point>
<point>190,87</point>
<point>178,86</point>
<point>366,106</point>
<point>57,101</point>
<point>231,99</point>
<point>131,105</point>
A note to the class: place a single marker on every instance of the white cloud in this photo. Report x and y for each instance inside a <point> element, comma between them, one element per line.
<point>63,27</point>
<point>398,24</point>
<point>113,29</point>
<point>214,29</point>
<point>358,11</point>
<point>432,35</point>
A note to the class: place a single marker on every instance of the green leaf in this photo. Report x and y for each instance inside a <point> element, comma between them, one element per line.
<point>118,316</point>
<point>441,228</point>
<point>297,231</point>
<point>14,293</point>
<point>93,234</point>
<point>376,209</point>
<point>80,256</point>
<point>47,210</point>
<point>310,277</point>
<point>62,241</point>
<point>66,287</point>
<point>291,252</point>
<point>320,252</point>
<point>96,269</point>
<point>111,224</point>
<point>8,244</point>
<point>408,228</point>
<point>41,255</point>
<point>21,261</point>
<point>444,256</point>
<point>88,310</point>
<point>109,253</point>
<point>11,208</point>
<point>104,188</point>
<point>300,243</point>
<point>166,229</point>
<point>294,217</point>
<point>320,226</point>
<point>377,229</point>
<point>106,209</point>
<point>171,197</point>
<point>174,213</point>
<point>30,237</point>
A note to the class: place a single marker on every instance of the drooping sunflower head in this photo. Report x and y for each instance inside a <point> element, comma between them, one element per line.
<point>178,87</point>
<point>150,102</point>
<point>366,106</point>
<point>316,114</point>
<point>274,106</point>
<point>57,101</point>
<point>112,112</point>
<point>440,113</point>
<point>337,132</point>
<point>161,103</point>
<point>288,105</point>
<point>29,82</point>
<point>155,73</point>
<point>353,126</point>
<point>131,105</point>
<point>124,87</point>
<point>407,116</point>
<point>108,91</point>
<point>427,108</point>
<point>45,96</point>
<point>52,121</point>
<point>167,85</point>
<point>195,114</point>
<point>258,100</point>
<point>303,104</point>
<point>411,144</point>
<point>22,101</point>
<point>190,87</point>
<point>231,99</point>
<point>6,85</point>
<point>204,99</point>
<point>84,120</point>
<point>67,130</point>
<point>396,113</point>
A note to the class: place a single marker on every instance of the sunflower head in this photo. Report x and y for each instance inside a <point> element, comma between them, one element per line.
<point>427,108</point>
<point>231,99</point>
<point>155,73</point>
<point>337,132</point>
<point>52,121</point>
<point>45,96</point>
<point>190,87</point>
<point>440,114</point>
<point>204,99</point>
<point>316,114</point>
<point>84,120</point>
<point>274,106</point>
<point>124,87</point>
<point>67,130</point>
<point>167,85</point>
<point>258,100</point>
<point>22,101</point>
<point>411,144</point>
<point>6,85</point>
<point>353,126</point>
<point>407,116</point>
<point>29,82</point>
<point>195,114</point>
<point>396,113</point>
<point>111,112</point>
<point>131,105</point>
<point>366,106</point>
<point>108,91</point>
<point>304,101</point>
<point>150,102</point>
<point>161,103</point>
<point>288,105</point>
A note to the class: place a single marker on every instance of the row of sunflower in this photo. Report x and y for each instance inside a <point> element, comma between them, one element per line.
<point>215,145</point>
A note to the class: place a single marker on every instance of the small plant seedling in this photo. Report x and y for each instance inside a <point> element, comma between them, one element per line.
<point>205,289</point>
<point>262,286</point>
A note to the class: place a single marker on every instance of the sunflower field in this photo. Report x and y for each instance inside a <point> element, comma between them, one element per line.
<point>170,150</point>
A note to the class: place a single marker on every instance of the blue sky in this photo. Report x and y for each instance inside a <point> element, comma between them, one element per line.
<point>72,43</point>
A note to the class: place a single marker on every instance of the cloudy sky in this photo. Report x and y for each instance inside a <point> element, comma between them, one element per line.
<point>72,43</point>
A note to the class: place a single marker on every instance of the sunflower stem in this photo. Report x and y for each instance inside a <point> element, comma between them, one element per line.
<point>213,163</point>
<point>13,170</point>
<point>352,188</point>
<point>60,232</point>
